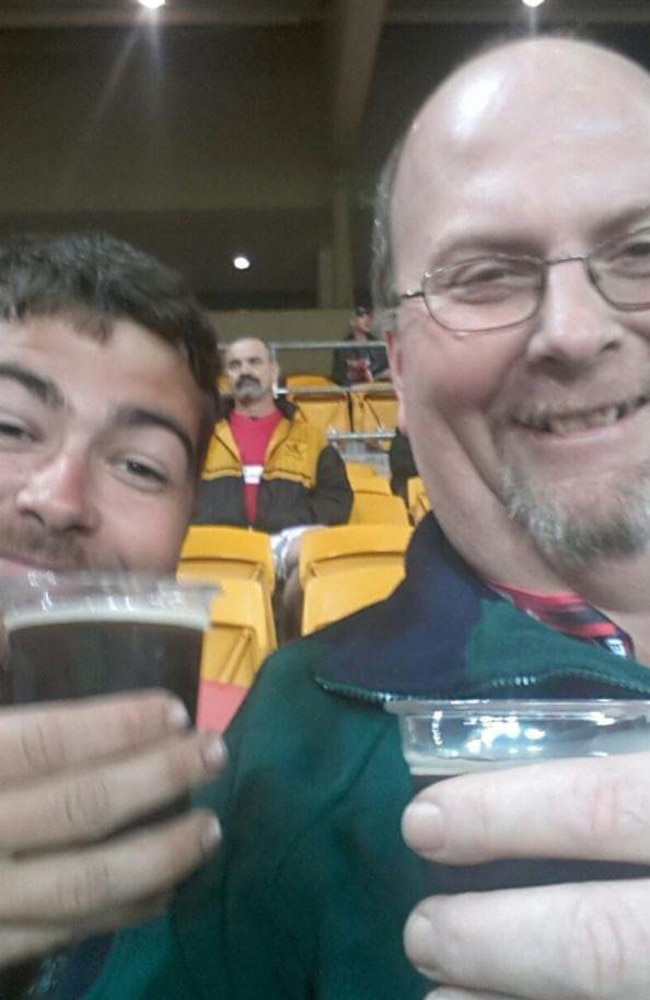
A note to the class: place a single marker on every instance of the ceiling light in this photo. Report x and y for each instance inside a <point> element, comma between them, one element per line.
<point>241,262</point>
<point>151,4</point>
<point>533,3</point>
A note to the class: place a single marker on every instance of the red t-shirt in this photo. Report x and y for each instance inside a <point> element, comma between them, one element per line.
<point>252,435</point>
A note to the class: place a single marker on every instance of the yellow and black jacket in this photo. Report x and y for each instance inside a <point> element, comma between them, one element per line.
<point>303,482</point>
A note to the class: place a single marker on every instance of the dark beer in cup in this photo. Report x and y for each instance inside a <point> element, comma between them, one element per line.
<point>79,651</point>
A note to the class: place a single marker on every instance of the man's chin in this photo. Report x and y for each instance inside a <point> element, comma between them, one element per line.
<point>579,523</point>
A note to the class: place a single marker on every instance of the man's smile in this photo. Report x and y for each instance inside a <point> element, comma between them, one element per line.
<point>575,421</point>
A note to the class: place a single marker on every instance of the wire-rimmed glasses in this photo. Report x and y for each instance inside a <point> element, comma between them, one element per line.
<point>502,290</point>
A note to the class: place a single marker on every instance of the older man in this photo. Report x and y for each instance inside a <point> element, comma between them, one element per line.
<point>520,226</point>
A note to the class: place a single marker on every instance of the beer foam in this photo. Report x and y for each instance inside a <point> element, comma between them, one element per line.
<point>101,611</point>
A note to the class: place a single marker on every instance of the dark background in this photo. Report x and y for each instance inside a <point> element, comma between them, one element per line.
<point>217,126</point>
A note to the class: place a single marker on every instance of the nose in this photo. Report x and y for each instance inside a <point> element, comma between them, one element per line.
<point>58,492</point>
<point>575,326</point>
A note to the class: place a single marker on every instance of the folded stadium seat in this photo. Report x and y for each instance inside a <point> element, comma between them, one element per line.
<point>328,408</point>
<point>375,508</point>
<point>308,379</point>
<point>374,409</point>
<point>330,597</point>
<point>234,648</point>
<point>220,549</point>
<point>418,500</point>
<point>350,546</point>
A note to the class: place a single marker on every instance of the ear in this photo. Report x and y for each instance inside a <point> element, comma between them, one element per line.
<point>394,349</point>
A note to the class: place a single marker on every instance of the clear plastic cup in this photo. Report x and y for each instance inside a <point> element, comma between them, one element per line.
<point>443,739</point>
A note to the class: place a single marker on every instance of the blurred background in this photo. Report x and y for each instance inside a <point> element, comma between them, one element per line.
<point>205,130</point>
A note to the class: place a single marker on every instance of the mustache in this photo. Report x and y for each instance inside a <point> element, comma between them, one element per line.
<point>51,550</point>
<point>245,381</point>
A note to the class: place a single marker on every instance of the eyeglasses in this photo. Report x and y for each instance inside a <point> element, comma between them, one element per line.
<point>498,291</point>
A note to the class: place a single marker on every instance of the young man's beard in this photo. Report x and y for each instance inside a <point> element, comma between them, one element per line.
<point>577,530</point>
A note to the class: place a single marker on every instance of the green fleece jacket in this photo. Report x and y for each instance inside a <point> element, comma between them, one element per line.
<point>308,894</point>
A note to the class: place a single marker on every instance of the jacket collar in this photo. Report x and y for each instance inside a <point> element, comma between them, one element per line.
<point>445,633</point>
<point>286,408</point>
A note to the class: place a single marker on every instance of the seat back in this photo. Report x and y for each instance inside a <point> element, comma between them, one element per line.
<point>308,379</point>
<point>221,550</point>
<point>234,648</point>
<point>240,606</point>
<point>359,470</point>
<point>375,508</point>
<point>328,410</point>
<point>330,597</point>
<point>345,546</point>
<point>371,485</point>
<point>374,409</point>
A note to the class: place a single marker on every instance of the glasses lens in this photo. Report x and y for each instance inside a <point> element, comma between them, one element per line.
<point>486,293</point>
<point>621,270</point>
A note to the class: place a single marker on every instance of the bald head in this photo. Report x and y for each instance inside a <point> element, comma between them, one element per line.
<point>512,102</point>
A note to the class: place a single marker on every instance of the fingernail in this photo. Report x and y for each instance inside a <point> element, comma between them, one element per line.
<point>422,826</point>
<point>418,936</point>
<point>211,835</point>
<point>213,750</point>
<point>177,715</point>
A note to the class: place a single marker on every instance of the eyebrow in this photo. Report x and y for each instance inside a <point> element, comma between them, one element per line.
<point>44,389</point>
<point>48,393</point>
<point>138,416</point>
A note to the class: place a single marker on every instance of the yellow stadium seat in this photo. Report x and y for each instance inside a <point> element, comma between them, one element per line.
<point>375,508</point>
<point>359,470</point>
<point>234,648</point>
<point>308,379</point>
<point>373,410</point>
<point>371,484</point>
<point>328,410</point>
<point>418,500</point>
<point>348,546</point>
<point>330,597</point>
<point>219,552</point>
<point>216,550</point>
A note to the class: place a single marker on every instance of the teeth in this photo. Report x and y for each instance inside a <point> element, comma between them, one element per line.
<point>569,425</point>
<point>573,423</point>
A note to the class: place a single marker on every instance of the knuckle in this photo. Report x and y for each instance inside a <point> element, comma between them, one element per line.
<point>609,808</point>
<point>598,945</point>
<point>42,745</point>
<point>138,714</point>
<point>86,890</point>
<point>85,806</point>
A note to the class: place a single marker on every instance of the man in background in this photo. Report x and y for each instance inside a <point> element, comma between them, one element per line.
<point>365,360</point>
<point>269,469</point>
